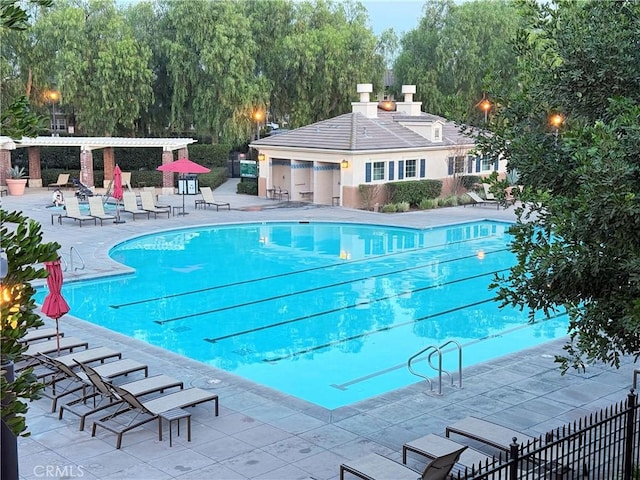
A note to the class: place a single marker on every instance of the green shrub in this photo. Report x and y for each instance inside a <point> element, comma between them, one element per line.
<point>389,208</point>
<point>428,203</point>
<point>129,159</point>
<point>464,199</point>
<point>402,207</point>
<point>468,181</point>
<point>413,191</point>
<point>248,187</point>
<point>450,201</point>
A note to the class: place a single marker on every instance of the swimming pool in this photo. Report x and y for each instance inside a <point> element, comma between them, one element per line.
<point>326,312</point>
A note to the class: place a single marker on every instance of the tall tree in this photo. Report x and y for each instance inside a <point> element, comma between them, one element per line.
<point>211,65</point>
<point>457,52</point>
<point>96,63</point>
<point>577,240</point>
<point>329,51</point>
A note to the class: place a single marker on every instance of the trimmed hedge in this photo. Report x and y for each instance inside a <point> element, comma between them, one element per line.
<point>414,191</point>
<point>248,187</point>
<point>213,179</point>
<point>129,159</point>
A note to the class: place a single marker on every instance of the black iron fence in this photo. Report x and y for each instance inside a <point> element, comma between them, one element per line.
<point>602,446</point>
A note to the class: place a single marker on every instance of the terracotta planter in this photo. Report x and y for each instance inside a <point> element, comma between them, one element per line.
<point>16,185</point>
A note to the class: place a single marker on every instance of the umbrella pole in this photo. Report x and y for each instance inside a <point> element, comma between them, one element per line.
<point>58,337</point>
<point>184,188</point>
<point>117,220</point>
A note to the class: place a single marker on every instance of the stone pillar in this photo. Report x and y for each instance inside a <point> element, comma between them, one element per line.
<point>5,164</point>
<point>86,167</point>
<point>167,177</point>
<point>183,153</point>
<point>35,172</point>
<point>109,162</point>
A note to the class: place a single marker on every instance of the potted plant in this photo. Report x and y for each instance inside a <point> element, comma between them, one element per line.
<point>16,180</point>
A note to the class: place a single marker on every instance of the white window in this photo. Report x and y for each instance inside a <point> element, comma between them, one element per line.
<point>410,168</point>
<point>456,164</point>
<point>378,170</point>
<point>436,133</point>
<point>486,163</point>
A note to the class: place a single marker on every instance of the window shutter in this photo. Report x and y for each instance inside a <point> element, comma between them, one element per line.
<point>367,172</point>
<point>496,165</point>
<point>400,169</point>
<point>478,163</point>
<point>470,164</point>
<point>423,168</point>
<point>450,169</point>
<point>391,170</point>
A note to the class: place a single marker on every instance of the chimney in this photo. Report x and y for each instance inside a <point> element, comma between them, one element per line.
<point>409,107</point>
<point>364,106</point>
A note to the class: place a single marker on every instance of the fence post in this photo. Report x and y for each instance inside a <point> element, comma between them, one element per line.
<point>630,435</point>
<point>514,456</point>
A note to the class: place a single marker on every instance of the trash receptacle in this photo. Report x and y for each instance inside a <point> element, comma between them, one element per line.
<point>188,185</point>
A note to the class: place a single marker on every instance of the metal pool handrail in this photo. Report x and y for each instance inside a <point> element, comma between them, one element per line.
<point>437,350</point>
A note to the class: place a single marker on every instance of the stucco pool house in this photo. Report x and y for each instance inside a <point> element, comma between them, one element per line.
<point>325,162</point>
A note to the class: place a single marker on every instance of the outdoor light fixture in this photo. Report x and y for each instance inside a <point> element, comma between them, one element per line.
<point>485,105</point>
<point>388,105</point>
<point>556,120</point>
<point>262,157</point>
<point>344,164</point>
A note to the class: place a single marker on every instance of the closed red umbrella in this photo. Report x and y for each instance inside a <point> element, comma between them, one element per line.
<point>117,191</point>
<point>54,305</point>
<point>183,166</point>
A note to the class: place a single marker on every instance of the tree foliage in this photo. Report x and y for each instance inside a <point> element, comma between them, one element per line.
<point>577,241</point>
<point>457,52</point>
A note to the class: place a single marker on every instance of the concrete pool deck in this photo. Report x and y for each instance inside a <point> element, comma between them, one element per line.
<point>264,434</point>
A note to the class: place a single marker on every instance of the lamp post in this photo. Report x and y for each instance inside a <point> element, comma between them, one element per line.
<point>485,106</point>
<point>556,120</point>
<point>53,96</point>
<point>257,116</point>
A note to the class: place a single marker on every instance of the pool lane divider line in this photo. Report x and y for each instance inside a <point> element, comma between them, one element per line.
<point>306,270</point>
<point>347,307</point>
<point>344,386</point>
<point>378,330</point>
<point>332,285</point>
<point>316,289</point>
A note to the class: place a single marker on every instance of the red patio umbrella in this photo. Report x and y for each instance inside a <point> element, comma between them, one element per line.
<point>117,191</point>
<point>54,305</point>
<point>183,166</point>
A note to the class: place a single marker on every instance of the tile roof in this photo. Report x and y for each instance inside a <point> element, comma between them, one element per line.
<point>356,132</point>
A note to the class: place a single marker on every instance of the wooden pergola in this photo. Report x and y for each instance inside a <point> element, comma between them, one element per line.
<point>87,145</point>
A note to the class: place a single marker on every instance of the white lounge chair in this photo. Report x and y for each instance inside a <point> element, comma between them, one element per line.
<point>96,210</point>
<point>61,182</point>
<point>487,432</point>
<point>131,205</point>
<point>149,205</point>
<point>378,467</point>
<point>207,199</point>
<point>72,210</point>
<point>147,411</point>
<point>478,200</point>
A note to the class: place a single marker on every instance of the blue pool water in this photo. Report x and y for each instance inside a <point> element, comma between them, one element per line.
<point>326,312</point>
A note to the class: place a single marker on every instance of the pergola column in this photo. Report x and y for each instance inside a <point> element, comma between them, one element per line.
<point>167,177</point>
<point>109,163</point>
<point>5,164</point>
<point>183,153</point>
<point>86,167</point>
<point>35,171</point>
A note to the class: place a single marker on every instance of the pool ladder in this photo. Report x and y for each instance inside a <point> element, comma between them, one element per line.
<point>73,252</point>
<point>433,350</point>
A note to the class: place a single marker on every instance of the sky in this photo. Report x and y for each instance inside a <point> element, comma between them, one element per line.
<point>401,15</point>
